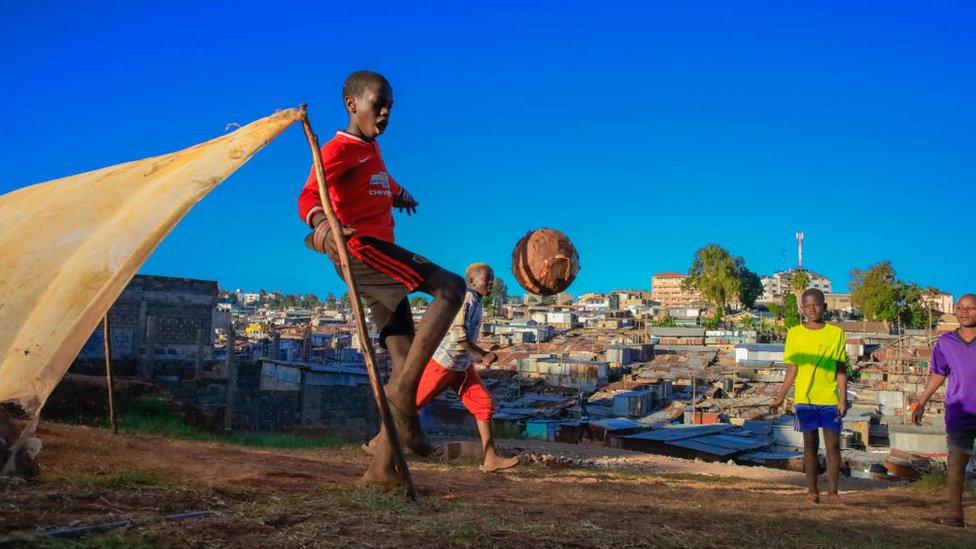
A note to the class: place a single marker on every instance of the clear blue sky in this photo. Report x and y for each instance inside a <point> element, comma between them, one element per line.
<point>642,132</point>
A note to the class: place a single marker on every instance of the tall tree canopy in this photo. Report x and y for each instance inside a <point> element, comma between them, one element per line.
<point>791,313</point>
<point>722,278</point>
<point>750,286</point>
<point>880,296</point>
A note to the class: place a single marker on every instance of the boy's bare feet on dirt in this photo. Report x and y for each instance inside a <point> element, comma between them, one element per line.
<point>382,477</point>
<point>496,464</point>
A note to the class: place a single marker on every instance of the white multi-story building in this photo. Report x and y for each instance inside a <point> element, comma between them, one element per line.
<point>778,285</point>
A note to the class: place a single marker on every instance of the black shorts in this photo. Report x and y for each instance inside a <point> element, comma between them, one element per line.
<point>961,441</point>
<point>384,273</point>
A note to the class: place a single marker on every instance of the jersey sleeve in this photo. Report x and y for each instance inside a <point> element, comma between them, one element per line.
<point>394,186</point>
<point>842,348</point>
<point>790,350</point>
<point>336,164</point>
<point>460,324</point>
<point>939,363</point>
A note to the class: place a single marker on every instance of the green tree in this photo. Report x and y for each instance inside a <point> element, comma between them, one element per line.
<point>750,286</point>
<point>714,273</point>
<point>309,301</point>
<point>799,282</point>
<point>419,302</point>
<point>912,306</point>
<point>330,301</point>
<point>714,321</point>
<point>875,292</point>
<point>344,303</point>
<point>497,297</point>
<point>747,322</point>
<point>880,296</point>
<point>776,309</point>
<point>791,313</point>
<point>664,321</point>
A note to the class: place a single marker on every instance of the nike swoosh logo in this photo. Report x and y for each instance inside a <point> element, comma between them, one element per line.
<point>362,160</point>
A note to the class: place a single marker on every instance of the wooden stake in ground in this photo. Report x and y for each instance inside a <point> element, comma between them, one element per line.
<point>382,406</point>
<point>108,375</point>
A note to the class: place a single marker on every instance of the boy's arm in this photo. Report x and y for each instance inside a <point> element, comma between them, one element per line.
<point>935,381</point>
<point>841,389</point>
<point>404,201</point>
<point>787,383</point>
<point>486,357</point>
<point>938,372</point>
<point>336,162</point>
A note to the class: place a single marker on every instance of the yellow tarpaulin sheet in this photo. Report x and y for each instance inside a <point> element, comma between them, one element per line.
<point>68,248</point>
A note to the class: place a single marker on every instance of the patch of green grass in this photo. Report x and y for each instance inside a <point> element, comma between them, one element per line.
<point>457,534</point>
<point>155,416</point>
<point>932,480</point>
<point>675,477</point>
<point>373,500</point>
<point>125,479</point>
<point>581,534</point>
<point>283,441</point>
<point>936,480</point>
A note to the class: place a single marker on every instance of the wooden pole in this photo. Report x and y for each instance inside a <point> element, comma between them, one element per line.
<point>230,394</point>
<point>108,375</point>
<point>382,406</point>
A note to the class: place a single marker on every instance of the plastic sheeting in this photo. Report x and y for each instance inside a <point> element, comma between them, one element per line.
<point>68,248</point>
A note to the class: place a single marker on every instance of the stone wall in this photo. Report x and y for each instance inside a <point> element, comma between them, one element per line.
<point>165,311</point>
<point>345,411</point>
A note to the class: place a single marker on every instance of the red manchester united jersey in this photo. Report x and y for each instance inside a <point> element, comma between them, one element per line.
<point>360,189</point>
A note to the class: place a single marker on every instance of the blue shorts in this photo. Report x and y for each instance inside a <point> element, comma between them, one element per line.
<point>810,417</point>
<point>961,441</point>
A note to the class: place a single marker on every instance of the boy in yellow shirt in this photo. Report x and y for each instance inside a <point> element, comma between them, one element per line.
<point>817,359</point>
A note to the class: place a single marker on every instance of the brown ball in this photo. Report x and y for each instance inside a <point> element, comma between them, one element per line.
<point>545,262</point>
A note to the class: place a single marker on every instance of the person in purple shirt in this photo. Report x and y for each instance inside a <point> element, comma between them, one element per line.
<point>954,357</point>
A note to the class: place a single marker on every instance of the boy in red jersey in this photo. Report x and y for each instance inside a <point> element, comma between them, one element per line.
<point>363,196</point>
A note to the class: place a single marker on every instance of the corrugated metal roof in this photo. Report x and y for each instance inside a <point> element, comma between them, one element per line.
<point>635,393</point>
<point>616,423</point>
<point>682,432</point>
<point>771,347</point>
<point>677,332</point>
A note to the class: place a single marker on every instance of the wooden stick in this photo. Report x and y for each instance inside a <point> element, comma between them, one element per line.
<point>382,406</point>
<point>108,375</point>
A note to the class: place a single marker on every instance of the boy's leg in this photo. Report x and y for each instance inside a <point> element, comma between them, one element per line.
<point>831,424</point>
<point>811,463</point>
<point>385,274</point>
<point>401,389</point>
<point>476,398</point>
<point>960,449</point>
<point>832,443</point>
<point>434,381</point>
<point>956,481</point>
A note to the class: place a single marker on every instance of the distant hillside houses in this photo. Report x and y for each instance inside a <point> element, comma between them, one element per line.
<point>778,285</point>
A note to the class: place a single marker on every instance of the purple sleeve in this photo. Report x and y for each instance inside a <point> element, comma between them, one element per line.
<point>939,364</point>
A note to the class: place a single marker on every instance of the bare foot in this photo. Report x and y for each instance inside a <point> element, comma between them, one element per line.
<point>383,477</point>
<point>498,464</point>
<point>814,498</point>
<point>407,423</point>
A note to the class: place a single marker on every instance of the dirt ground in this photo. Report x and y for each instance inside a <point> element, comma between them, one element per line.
<point>311,498</point>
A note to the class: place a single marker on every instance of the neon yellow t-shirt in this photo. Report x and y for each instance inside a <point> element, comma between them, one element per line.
<point>815,353</point>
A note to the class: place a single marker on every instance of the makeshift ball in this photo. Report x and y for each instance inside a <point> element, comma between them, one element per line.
<point>545,262</point>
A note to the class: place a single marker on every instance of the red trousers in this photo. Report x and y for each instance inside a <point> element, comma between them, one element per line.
<point>468,385</point>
